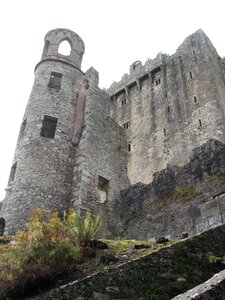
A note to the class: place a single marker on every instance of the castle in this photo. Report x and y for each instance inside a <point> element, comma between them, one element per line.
<point>80,146</point>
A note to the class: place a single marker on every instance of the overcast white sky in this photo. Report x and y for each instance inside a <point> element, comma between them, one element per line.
<point>115,33</point>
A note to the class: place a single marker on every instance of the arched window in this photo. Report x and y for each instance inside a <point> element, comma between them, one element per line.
<point>2,226</point>
<point>64,48</point>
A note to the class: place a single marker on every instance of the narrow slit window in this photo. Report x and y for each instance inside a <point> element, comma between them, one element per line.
<point>166,95</point>
<point>12,174</point>
<point>129,147</point>
<point>55,80</point>
<point>164,132</point>
<point>49,127</point>
<point>103,188</point>
<point>126,125</point>
<point>123,101</point>
<point>168,109</point>
<point>195,99</point>
<point>193,51</point>
<point>200,122</point>
<point>190,75</point>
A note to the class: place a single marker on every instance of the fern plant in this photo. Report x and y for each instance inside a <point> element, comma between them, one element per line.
<point>83,229</point>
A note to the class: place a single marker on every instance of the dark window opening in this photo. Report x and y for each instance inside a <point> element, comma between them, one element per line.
<point>2,226</point>
<point>128,147</point>
<point>195,99</point>
<point>22,128</point>
<point>126,125</point>
<point>200,122</point>
<point>166,95</point>
<point>168,109</point>
<point>123,101</point>
<point>190,75</point>
<point>55,80</point>
<point>193,51</point>
<point>164,132</point>
<point>158,81</point>
<point>49,127</point>
<point>12,174</point>
<point>103,188</point>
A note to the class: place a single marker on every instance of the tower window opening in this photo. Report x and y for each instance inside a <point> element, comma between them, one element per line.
<point>22,128</point>
<point>200,122</point>
<point>166,95</point>
<point>123,101</point>
<point>168,109</point>
<point>64,48</point>
<point>55,80</point>
<point>12,174</point>
<point>49,127</point>
<point>103,188</point>
<point>195,99</point>
<point>190,75</point>
<point>129,147</point>
<point>2,226</point>
<point>193,51</point>
<point>158,81</point>
<point>126,125</point>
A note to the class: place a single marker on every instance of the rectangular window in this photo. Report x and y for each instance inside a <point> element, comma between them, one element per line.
<point>129,147</point>
<point>126,125</point>
<point>123,101</point>
<point>158,81</point>
<point>103,188</point>
<point>195,99</point>
<point>190,75</point>
<point>168,109</point>
<point>49,127</point>
<point>200,122</point>
<point>55,80</point>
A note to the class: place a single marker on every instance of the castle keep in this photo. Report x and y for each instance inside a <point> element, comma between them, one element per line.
<point>82,147</point>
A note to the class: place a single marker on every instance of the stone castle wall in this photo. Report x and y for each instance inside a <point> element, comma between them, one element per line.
<point>173,104</point>
<point>100,155</point>
<point>105,141</point>
<point>179,199</point>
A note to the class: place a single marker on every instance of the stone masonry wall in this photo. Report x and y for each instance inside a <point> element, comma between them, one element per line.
<point>179,199</point>
<point>41,175</point>
<point>102,151</point>
<point>173,105</point>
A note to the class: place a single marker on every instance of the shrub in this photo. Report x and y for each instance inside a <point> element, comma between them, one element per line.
<point>45,250</point>
<point>84,229</point>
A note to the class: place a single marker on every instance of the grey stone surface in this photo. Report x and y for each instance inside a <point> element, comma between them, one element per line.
<point>214,288</point>
<point>145,130</point>
<point>153,210</point>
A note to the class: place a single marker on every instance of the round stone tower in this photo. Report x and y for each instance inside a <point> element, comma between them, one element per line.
<point>41,173</point>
